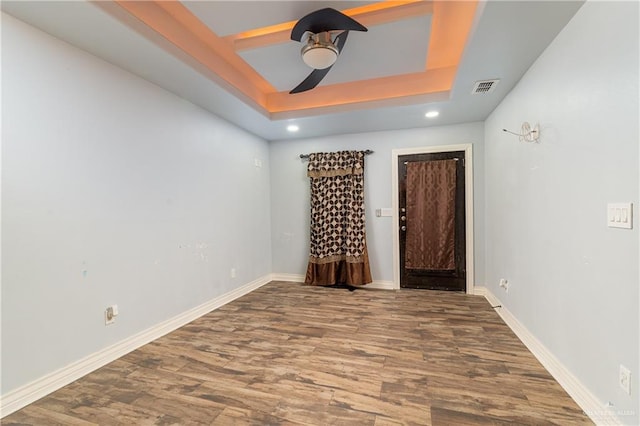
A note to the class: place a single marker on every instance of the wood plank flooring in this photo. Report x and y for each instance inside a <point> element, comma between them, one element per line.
<point>289,354</point>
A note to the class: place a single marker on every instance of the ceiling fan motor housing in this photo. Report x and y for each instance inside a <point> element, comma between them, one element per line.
<point>319,52</point>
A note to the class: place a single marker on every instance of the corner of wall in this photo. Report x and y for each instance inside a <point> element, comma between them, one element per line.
<point>592,406</point>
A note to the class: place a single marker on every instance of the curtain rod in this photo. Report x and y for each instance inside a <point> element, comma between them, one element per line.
<point>306,156</point>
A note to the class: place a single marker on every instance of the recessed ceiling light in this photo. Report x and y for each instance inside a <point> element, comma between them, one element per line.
<point>432,114</point>
<point>293,128</point>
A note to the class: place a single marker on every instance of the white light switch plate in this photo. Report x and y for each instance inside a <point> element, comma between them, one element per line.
<point>384,212</point>
<point>619,215</point>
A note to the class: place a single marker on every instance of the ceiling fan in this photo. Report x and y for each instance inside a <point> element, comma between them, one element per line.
<point>320,52</point>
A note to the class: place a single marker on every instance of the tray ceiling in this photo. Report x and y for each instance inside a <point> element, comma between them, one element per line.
<point>235,58</point>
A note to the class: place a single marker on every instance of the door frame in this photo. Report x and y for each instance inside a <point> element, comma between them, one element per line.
<point>468,182</point>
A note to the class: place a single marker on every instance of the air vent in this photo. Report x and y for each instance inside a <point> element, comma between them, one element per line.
<point>484,86</point>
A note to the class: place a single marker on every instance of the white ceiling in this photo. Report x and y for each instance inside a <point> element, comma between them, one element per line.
<point>506,38</point>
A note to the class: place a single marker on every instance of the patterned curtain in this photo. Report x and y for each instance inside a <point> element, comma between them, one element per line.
<point>431,203</point>
<point>338,251</point>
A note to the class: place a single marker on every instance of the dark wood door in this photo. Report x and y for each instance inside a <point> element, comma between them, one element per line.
<point>418,270</point>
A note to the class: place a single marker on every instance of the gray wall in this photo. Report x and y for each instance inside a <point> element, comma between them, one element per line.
<point>114,191</point>
<point>574,281</point>
<point>290,192</point>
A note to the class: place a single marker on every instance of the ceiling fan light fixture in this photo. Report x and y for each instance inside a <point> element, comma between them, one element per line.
<point>319,52</point>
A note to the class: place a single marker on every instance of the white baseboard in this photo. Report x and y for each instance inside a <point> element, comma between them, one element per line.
<point>290,278</point>
<point>591,405</point>
<point>480,291</point>
<point>25,395</point>
<point>295,278</point>
<point>381,285</point>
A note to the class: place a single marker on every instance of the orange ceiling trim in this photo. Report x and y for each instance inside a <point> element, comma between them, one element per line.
<point>378,89</point>
<point>369,15</point>
<point>390,11</point>
<point>179,26</point>
<point>260,37</point>
<point>450,27</point>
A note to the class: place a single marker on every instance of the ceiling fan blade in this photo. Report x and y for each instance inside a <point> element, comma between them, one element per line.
<point>311,81</point>
<point>341,40</point>
<point>316,76</point>
<point>323,20</point>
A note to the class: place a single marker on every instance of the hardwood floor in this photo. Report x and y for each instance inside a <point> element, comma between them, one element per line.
<point>289,354</point>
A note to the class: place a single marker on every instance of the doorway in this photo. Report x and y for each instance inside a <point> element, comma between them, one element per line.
<point>431,195</point>
<point>433,218</point>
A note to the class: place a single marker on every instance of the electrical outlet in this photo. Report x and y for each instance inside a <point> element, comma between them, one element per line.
<point>233,272</point>
<point>624,379</point>
<point>504,284</point>
<point>110,314</point>
<point>109,317</point>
